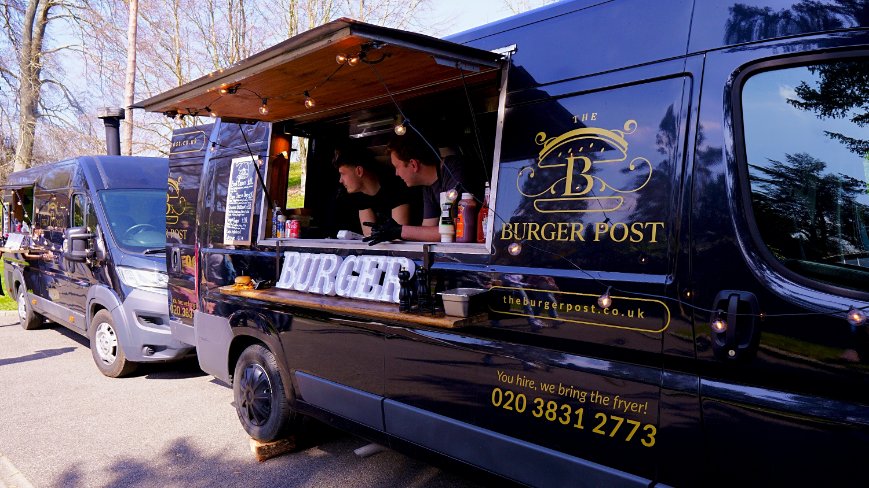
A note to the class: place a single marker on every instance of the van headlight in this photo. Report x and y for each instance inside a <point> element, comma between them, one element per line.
<point>144,279</point>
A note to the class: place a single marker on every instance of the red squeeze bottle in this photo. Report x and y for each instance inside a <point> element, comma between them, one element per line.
<point>466,221</point>
<point>483,218</point>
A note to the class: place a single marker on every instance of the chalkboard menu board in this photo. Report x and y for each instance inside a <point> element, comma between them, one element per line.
<point>239,201</point>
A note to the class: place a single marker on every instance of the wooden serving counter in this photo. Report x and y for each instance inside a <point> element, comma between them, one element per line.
<point>352,307</point>
<point>25,252</point>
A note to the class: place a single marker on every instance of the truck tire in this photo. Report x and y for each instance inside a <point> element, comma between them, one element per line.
<point>28,319</point>
<point>106,348</point>
<point>261,402</point>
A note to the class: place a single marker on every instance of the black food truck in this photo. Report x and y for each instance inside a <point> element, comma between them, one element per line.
<point>672,282</point>
<point>86,249</point>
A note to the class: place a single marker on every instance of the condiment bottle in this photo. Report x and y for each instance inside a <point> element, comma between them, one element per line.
<point>466,219</point>
<point>483,217</point>
<point>446,228</point>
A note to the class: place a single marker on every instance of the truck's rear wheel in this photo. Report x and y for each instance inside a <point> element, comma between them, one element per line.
<point>106,348</point>
<point>260,399</point>
<point>28,319</point>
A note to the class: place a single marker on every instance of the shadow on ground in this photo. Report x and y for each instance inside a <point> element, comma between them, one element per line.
<point>325,459</point>
<point>42,354</point>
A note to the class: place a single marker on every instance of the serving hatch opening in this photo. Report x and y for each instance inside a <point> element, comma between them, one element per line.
<point>341,66</point>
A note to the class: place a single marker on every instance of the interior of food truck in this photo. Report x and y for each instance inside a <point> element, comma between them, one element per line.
<point>444,119</point>
<point>18,209</point>
<point>348,82</point>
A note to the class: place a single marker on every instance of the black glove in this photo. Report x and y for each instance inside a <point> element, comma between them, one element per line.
<point>385,230</point>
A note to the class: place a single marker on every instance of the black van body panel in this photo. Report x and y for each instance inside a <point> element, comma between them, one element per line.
<point>499,453</point>
<point>539,391</point>
<point>591,38</point>
<point>786,392</point>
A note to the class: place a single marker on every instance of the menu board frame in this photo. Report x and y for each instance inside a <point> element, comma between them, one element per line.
<point>240,201</point>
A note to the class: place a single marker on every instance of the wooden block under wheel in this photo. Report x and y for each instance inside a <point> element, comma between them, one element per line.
<point>268,450</point>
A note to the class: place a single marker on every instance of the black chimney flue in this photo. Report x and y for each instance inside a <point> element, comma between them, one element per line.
<point>112,119</point>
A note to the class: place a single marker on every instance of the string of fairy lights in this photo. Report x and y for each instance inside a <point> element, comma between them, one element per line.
<point>342,60</point>
<point>856,316</point>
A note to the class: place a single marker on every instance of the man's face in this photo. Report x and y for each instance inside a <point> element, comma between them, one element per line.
<point>351,178</point>
<point>404,170</point>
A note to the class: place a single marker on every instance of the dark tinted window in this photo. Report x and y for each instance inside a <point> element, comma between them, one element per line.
<point>808,164</point>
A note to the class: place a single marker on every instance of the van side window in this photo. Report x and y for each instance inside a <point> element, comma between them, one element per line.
<point>79,203</point>
<point>808,168</point>
<point>51,214</point>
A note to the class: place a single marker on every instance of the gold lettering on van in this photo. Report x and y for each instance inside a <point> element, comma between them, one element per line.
<point>585,117</point>
<point>175,203</point>
<point>564,179</point>
<point>618,232</point>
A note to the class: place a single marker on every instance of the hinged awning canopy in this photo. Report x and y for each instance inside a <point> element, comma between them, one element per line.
<point>400,60</point>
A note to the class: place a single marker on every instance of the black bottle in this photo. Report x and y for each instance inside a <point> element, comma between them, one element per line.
<point>423,291</point>
<point>404,292</point>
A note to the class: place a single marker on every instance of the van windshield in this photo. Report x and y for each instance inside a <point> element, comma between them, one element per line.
<point>137,218</point>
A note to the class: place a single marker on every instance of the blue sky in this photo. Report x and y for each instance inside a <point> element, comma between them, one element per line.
<point>461,15</point>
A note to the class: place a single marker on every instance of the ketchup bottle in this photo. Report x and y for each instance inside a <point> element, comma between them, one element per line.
<point>483,218</point>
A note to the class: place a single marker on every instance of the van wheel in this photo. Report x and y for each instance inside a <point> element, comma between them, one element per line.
<point>28,319</point>
<point>106,348</point>
<point>260,399</point>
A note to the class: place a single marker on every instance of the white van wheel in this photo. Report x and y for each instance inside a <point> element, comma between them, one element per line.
<point>106,348</point>
<point>28,319</point>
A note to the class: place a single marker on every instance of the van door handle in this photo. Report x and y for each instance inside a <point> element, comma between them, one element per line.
<point>739,340</point>
<point>176,259</point>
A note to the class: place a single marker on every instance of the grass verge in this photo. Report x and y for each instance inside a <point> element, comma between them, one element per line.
<point>6,303</point>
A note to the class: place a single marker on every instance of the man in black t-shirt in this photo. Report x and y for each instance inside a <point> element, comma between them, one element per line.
<point>417,164</point>
<point>368,193</point>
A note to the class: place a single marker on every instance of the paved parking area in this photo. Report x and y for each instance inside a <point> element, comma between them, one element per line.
<point>63,424</point>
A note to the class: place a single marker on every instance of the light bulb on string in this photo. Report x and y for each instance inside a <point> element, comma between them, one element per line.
<point>605,300</point>
<point>452,195</point>
<point>309,102</point>
<point>223,90</point>
<point>341,58</point>
<point>856,316</point>
<point>353,60</point>
<point>264,108</point>
<point>514,248</point>
<point>719,325</point>
<point>400,128</point>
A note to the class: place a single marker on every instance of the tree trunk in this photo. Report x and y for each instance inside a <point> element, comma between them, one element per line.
<point>130,84</point>
<point>30,65</point>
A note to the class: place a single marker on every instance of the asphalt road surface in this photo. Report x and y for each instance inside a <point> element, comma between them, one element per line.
<point>63,424</point>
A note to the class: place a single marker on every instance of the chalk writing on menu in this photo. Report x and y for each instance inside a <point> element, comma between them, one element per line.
<point>239,201</point>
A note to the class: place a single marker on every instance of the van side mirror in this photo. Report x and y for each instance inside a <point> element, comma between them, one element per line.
<point>77,245</point>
